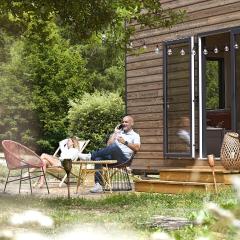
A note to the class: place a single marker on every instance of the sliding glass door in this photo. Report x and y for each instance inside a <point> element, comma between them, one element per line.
<point>178,98</point>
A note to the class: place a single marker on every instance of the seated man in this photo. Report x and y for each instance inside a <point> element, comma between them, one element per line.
<point>121,145</point>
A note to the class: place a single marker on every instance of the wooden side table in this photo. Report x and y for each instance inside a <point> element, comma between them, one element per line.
<point>84,171</point>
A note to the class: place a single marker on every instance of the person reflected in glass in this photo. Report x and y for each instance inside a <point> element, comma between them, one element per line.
<point>184,131</point>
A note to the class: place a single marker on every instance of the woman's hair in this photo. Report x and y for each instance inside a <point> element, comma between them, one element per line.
<point>75,142</point>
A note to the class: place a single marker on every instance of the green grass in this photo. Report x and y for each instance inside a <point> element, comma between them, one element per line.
<point>129,211</point>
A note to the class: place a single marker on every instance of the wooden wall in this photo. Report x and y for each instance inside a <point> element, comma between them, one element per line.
<point>144,72</point>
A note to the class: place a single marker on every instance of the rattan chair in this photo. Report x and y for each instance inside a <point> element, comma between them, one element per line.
<point>21,159</point>
<point>120,176</point>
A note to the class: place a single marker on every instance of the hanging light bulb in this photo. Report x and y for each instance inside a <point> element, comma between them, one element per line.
<point>157,50</point>
<point>144,45</point>
<point>182,52</point>
<point>215,50</point>
<point>236,46</point>
<point>205,51</point>
<point>104,37</point>
<point>226,48</point>
<point>193,51</point>
<point>169,51</point>
<point>130,45</point>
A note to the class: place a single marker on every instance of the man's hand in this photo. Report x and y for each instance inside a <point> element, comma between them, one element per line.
<point>121,139</point>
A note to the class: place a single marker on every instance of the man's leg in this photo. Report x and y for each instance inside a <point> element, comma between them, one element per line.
<point>110,152</point>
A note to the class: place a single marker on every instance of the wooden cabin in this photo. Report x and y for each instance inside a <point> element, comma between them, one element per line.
<point>187,79</point>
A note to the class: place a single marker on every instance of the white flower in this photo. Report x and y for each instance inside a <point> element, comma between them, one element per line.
<point>200,217</point>
<point>93,232</point>
<point>31,236</point>
<point>6,234</point>
<point>236,223</point>
<point>236,184</point>
<point>202,238</point>
<point>161,236</point>
<point>219,212</point>
<point>31,216</point>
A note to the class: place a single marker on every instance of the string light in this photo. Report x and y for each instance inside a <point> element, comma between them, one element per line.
<point>182,52</point>
<point>205,51</point>
<point>104,37</point>
<point>130,45</point>
<point>226,48</point>
<point>215,50</point>
<point>144,45</point>
<point>157,50</point>
<point>169,51</point>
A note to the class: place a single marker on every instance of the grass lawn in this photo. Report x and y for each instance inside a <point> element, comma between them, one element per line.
<point>123,212</point>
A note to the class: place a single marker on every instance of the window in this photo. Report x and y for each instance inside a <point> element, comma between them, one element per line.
<point>215,95</point>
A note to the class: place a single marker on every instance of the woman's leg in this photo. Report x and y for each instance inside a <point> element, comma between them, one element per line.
<point>48,161</point>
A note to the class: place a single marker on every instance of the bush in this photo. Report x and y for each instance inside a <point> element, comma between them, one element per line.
<point>95,116</point>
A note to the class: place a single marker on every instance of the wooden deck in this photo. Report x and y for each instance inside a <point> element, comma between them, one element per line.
<point>182,180</point>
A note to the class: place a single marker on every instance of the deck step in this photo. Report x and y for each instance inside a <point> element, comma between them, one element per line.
<point>200,175</point>
<point>160,186</point>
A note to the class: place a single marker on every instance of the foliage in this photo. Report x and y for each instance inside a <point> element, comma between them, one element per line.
<point>105,65</point>
<point>86,17</point>
<point>57,73</point>
<point>212,85</point>
<point>42,73</point>
<point>46,71</point>
<point>95,116</point>
<point>18,121</point>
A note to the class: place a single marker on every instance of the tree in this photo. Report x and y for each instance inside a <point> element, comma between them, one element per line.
<point>95,116</point>
<point>56,73</point>
<point>85,17</point>
<point>17,118</point>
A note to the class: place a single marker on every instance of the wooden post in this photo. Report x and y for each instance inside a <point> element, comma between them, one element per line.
<point>211,163</point>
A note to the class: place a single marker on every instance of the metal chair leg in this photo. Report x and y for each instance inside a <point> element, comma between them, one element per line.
<point>30,182</point>
<point>6,182</point>
<point>45,180</point>
<point>20,183</point>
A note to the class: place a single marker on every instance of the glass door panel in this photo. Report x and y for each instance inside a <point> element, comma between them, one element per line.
<point>177,98</point>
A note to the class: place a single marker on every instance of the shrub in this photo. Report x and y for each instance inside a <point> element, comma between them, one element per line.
<point>95,116</point>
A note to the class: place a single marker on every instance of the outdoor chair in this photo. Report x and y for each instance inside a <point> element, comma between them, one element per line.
<point>20,158</point>
<point>120,177</point>
<point>59,172</point>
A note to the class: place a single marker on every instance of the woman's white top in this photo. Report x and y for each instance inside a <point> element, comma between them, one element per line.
<point>67,153</point>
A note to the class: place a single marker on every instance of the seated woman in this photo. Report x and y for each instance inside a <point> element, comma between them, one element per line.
<point>69,150</point>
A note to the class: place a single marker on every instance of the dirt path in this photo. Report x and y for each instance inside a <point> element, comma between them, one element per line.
<point>55,191</point>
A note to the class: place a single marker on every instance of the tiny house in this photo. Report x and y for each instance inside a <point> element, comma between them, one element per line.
<point>183,91</point>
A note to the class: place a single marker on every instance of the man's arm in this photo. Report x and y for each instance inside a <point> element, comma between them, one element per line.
<point>134,146</point>
<point>113,136</point>
<point>111,139</point>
